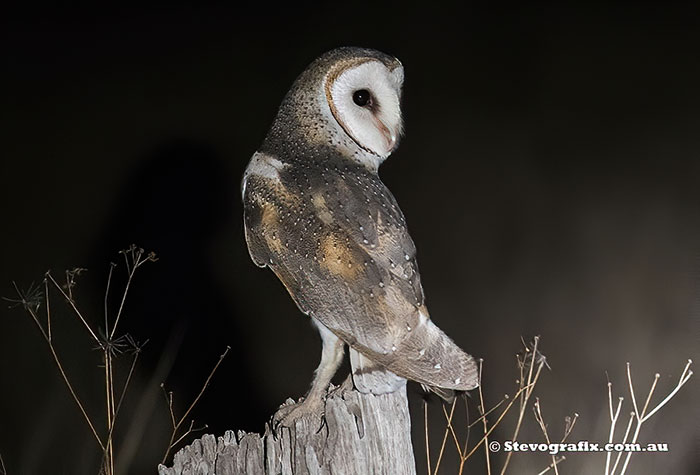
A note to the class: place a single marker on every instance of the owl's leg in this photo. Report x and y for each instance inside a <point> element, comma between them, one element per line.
<point>331,357</point>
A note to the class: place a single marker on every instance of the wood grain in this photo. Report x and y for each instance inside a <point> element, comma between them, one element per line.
<point>363,434</point>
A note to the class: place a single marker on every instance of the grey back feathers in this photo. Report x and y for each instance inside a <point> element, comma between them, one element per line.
<point>318,215</point>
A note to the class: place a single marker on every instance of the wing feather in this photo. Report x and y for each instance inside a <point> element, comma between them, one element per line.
<point>338,241</point>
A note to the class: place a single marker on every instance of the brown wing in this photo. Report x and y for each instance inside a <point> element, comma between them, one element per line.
<point>338,241</point>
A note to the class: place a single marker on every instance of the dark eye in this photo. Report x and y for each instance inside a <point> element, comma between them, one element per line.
<point>361,97</point>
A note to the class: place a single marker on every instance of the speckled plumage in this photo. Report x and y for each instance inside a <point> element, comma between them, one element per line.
<point>318,215</point>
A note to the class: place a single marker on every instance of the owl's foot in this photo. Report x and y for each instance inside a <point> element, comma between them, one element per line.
<point>311,408</point>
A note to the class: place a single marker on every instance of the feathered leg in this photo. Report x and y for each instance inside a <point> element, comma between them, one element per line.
<point>312,404</point>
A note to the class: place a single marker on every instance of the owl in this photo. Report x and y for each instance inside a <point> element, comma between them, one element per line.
<point>317,214</point>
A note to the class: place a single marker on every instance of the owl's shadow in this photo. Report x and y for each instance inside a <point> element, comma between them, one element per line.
<point>179,202</point>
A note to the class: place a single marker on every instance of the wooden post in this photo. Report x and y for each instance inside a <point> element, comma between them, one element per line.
<point>364,434</point>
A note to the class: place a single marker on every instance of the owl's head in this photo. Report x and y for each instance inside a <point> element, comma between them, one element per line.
<point>349,99</point>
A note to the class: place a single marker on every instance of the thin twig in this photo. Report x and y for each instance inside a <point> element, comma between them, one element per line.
<point>57,360</point>
<point>112,265</point>
<point>189,431</point>
<point>169,400</point>
<point>483,418</point>
<point>466,437</point>
<point>48,308</point>
<point>631,387</point>
<point>130,271</point>
<point>31,313</point>
<point>427,443</point>
<point>75,395</point>
<point>449,429</point>
<point>540,420</point>
<point>624,440</point>
<point>172,442</point>
<point>204,387</point>
<point>121,396</point>
<point>136,254</point>
<point>569,426</point>
<point>553,465</point>
<point>613,422</point>
<point>498,421</point>
<point>643,417</point>
<point>685,376</point>
<point>530,384</point>
<point>32,299</point>
<point>109,451</point>
<point>70,300</point>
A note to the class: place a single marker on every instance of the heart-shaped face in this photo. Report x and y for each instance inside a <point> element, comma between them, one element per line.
<point>364,97</point>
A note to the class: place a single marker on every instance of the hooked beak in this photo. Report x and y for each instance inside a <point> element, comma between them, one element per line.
<point>390,136</point>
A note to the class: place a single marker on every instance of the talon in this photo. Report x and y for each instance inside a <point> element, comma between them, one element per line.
<point>286,416</point>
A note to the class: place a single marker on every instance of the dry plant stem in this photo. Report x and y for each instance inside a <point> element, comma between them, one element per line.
<point>109,347</point>
<point>109,451</point>
<point>570,423</point>
<point>482,410</point>
<point>71,302</point>
<point>451,428</point>
<point>448,429</point>
<point>552,465</point>
<point>75,395</point>
<point>48,308</point>
<point>685,376</point>
<point>130,271</point>
<point>427,443</point>
<point>613,421</point>
<point>498,421</point>
<point>466,437</point>
<point>45,334</point>
<point>540,420</point>
<point>486,432</point>
<point>523,402</point>
<point>3,470</point>
<point>111,406</point>
<point>176,426</point>
<point>642,417</point>
<point>121,399</point>
<point>137,260</point>
<point>112,265</point>
<point>169,398</point>
<point>568,428</point>
<point>190,429</point>
<point>624,440</point>
<point>481,417</point>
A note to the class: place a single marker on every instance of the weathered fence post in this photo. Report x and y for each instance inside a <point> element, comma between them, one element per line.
<point>364,434</point>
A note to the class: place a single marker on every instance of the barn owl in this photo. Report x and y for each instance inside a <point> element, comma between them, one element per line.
<point>317,214</point>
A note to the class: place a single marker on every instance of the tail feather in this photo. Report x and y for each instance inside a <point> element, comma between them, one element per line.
<point>447,395</point>
<point>425,355</point>
<point>430,357</point>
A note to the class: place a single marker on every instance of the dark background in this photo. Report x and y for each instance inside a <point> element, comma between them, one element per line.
<point>549,175</point>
